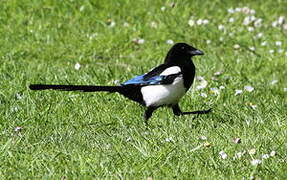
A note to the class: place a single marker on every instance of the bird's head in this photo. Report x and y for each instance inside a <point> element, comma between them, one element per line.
<point>181,52</point>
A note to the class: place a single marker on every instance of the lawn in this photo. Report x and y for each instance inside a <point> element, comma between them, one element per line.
<point>72,135</point>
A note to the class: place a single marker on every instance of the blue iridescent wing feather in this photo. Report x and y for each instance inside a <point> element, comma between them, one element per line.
<point>154,80</point>
<point>140,80</point>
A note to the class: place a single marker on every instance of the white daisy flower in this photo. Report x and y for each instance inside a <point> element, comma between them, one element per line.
<point>202,83</point>
<point>252,18</point>
<point>203,95</point>
<point>238,155</point>
<point>221,87</point>
<point>248,88</point>
<point>141,41</point>
<point>82,8</point>
<point>191,22</point>
<point>18,128</point>
<point>199,22</point>
<point>258,22</point>
<point>274,24</point>
<point>231,20</point>
<point>236,46</point>
<point>138,41</point>
<point>220,27</point>
<point>245,10</point>
<point>77,66</point>
<point>112,24</point>
<point>169,41</point>
<point>203,138</point>
<point>238,91</point>
<point>265,156</point>
<point>230,11</point>
<point>253,106</point>
<point>208,41</point>
<point>238,9</point>
<point>15,109</point>
<point>247,20</point>
<point>278,43</point>
<point>129,139</point>
<point>259,35</point>
<point>256,162</point>
<point>281,20</point>
<point>92,36</point>
<point>273,82</point>
<point>19,96</point>
<point>272,153</point>
<point>214,91</point>
<point>116,82</point>
<point>252,151</point>
<point>223,155</point>
<point>252,48</point>
<point>271,51</point>
<point>264,43</point>
<point>252,11</point>
<point>217,73</point>
<point>250,29</point>
<point>205,21</point>
<point>169,139</point>
<point>126,24</point>
<point>236,140</point>
<point>153,24</point>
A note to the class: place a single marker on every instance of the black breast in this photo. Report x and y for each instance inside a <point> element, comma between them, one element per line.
<point>188,70</point>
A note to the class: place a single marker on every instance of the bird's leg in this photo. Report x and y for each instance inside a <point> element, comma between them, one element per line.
<point>148,113</point>
<point>176,111</point>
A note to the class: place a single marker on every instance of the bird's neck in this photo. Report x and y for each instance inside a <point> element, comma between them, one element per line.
<point>179,62</point>
<point>176,58</point>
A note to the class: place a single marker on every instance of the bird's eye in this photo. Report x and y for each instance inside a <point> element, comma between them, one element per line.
<point>182,47</point>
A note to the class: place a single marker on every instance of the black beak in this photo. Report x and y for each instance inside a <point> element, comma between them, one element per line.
<point>196,52</point>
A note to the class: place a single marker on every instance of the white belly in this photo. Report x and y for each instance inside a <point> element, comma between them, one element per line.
<point>158,95</point>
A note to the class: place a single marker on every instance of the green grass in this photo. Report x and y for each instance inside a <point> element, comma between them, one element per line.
<point>103,136</point>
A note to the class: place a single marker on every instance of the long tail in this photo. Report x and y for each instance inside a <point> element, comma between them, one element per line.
<point>82,88</point>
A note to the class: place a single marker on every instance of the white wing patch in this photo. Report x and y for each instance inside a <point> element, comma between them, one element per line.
<point>169,94</point>
<point>171,70</point>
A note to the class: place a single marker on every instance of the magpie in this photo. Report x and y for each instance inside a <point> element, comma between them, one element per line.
<point>164,85</point>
